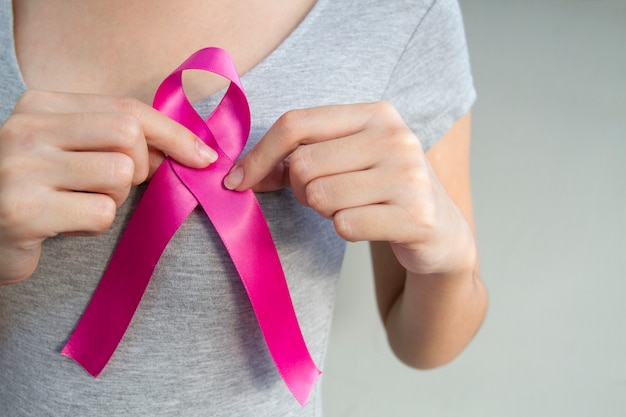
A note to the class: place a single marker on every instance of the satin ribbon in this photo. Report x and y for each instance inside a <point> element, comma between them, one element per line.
<point>173,193</point>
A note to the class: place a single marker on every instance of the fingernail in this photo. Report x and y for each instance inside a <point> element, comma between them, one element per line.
<point>207,154</point>
<point>234,178</point>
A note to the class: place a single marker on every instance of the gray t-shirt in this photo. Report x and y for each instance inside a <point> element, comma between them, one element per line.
<point>194,347</point>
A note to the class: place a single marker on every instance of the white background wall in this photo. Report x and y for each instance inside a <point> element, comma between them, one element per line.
<point>549,173</point>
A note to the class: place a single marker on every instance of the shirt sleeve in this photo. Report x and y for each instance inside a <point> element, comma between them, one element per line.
<point>432,85</point>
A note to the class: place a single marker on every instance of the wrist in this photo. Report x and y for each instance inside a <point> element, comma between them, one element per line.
<point>454,255</point>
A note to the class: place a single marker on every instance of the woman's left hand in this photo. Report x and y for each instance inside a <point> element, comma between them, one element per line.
<point>362,167</point>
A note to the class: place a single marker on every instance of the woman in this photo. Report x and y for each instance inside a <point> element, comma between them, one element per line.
<point>378,150</point>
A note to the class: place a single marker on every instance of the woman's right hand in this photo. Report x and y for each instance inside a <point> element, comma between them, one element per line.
<point>68,161</point>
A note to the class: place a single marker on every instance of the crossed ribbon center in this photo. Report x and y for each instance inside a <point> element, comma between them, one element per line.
<point>173,193</point>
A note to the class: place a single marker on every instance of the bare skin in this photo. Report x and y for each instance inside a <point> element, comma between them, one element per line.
<point>416,208</point>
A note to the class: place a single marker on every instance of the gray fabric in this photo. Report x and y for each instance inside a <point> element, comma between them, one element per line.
<point>194,348</point>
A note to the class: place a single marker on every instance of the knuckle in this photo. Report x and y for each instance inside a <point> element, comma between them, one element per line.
<point>385,110</point>
<point>300,163</point>
<point>103,214</point>
<point>409,159</point>
<point>16,130</point>
<point>404,142</point>
<point>415,176</point>
<point>300,196</point>
<point>129,105</point>
<point>428,217</point>
<point>18,208</point>
<point>127,131</point>
<point>316,196</point>
<point>422,219</point>
<point>122,168</point>
<point>394,128</point>
<point>289,126</point>
<point>343,226</point>
<point>12,170</point>
<point>384,106</point>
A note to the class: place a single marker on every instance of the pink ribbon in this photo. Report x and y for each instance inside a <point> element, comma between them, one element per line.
<point>173,193</point>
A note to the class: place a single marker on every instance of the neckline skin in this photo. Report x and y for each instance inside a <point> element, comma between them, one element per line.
<point>139,73</point>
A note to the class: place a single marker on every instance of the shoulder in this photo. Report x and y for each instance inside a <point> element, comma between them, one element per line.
<point>432,84</point>
<point>396,18</point>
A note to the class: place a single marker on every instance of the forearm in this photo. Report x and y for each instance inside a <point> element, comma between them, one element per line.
<point>433,318</point>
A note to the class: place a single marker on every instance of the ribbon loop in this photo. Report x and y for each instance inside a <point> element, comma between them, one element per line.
<point>173,193</point>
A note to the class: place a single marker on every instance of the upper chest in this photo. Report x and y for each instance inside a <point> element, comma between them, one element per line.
<point>126,47</point>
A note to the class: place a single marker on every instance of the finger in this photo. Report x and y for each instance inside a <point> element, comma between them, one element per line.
<point>86,213</point>
<point>293,129</point>
<point>330,194</point>
<point>155,158</point>
<point>332,157</point>
<point>54,212</point>
<point>378,222</point>
<point>160,131</point>
<point>109,173</point>
<point>276,180</point>
<point>356,152</point>
<point>99,132</point>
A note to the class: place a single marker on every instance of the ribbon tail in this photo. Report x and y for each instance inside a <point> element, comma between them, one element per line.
<point>163,208</point>
<point>240,223</point>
